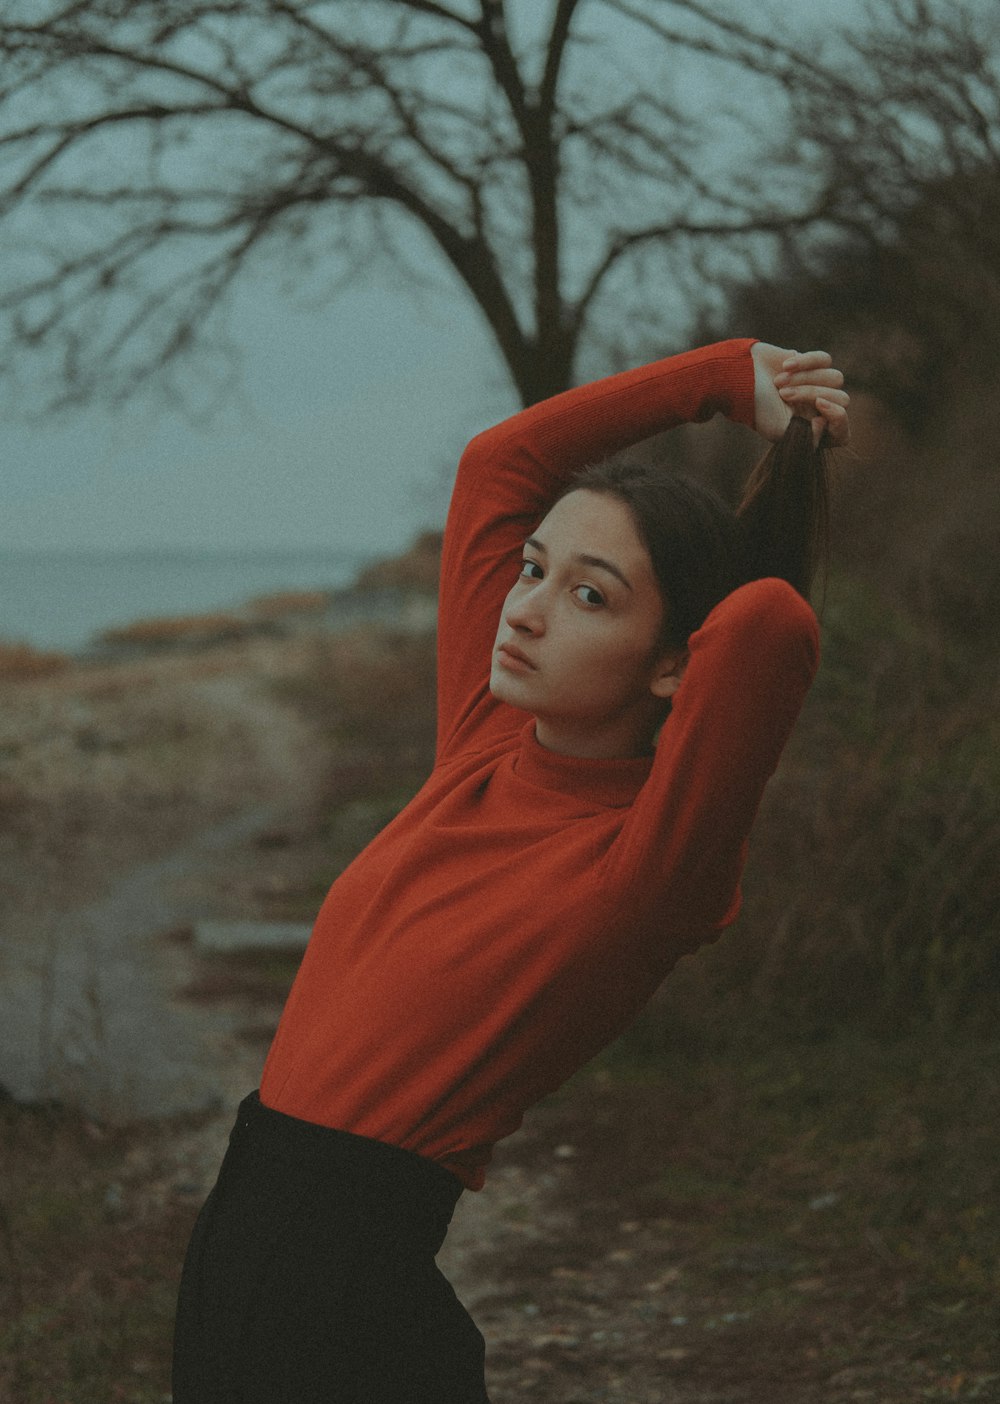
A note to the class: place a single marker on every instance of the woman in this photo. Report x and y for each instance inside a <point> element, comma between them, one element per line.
<point>612,701</point>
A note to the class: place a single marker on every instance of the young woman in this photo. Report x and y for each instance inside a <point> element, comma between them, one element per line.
<point>619,670</point>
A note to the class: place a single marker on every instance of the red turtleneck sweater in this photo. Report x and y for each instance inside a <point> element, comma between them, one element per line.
<point>519,912</point>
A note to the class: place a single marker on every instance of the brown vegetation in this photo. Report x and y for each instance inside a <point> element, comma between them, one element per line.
<point>416,569</point>
<point>809,1225</point>
<point>289,602</point>
<point>800,1218</point>
<point>20,660</point>
<point>179,629</point>
<point>782,1184</point>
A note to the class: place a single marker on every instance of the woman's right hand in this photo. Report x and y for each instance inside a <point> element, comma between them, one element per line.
<point>798,382</point>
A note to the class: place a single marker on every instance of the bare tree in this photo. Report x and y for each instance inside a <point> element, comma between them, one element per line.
<point>905,278</point>
<point>152,152</point>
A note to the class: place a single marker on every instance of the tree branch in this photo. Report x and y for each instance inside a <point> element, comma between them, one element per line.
<point>562,21</point>
<point>354,112</point>
<point>623,244</point>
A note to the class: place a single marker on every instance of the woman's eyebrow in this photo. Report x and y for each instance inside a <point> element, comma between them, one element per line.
<point>602,564</point>
<point>581,558</point>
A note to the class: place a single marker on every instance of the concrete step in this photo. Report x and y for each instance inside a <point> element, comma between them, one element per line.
<point>223,937</point>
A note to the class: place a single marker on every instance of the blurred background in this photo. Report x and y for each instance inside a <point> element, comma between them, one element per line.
<point>264,268</point>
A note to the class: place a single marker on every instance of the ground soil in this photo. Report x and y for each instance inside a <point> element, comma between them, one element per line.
<point>797,1226</point>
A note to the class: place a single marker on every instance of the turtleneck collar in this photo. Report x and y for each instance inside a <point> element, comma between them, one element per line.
<point>613,783</point>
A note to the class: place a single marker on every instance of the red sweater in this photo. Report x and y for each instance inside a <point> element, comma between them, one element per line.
<point>518,913</point>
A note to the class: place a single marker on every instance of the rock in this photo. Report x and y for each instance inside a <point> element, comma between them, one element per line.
<point>223,937</point>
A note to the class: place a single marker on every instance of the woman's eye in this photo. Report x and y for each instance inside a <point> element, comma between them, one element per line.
<point>589,595</point>
<point>531,570</point>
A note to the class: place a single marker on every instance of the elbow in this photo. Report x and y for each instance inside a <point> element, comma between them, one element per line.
<point>480,449</point>
<point>765,628</point>
<point>782,619</point>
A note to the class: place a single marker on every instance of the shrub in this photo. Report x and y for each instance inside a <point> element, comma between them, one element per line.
<point>20,660</point>
<point>873,891</point>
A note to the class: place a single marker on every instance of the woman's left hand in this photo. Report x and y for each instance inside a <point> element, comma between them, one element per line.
<point>798,382</point>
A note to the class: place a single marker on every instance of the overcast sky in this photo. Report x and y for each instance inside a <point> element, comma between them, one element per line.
<point>348,421</point>
<point>342,433</point>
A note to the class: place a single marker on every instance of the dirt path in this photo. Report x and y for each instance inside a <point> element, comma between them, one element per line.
<point>636,1244</point>
<point>146,792</point>
<point>135,800</point>
<point>139,799</point>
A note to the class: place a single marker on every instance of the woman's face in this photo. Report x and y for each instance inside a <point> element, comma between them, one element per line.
<point>578,642</point>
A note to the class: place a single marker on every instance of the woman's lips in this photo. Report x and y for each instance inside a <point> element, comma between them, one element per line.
<point>509,656</point>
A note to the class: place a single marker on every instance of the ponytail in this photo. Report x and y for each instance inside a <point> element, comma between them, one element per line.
<point>784,514</point>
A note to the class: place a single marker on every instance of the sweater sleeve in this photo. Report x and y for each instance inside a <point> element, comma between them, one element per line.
<point>682,848</point>
<point>508,478</point>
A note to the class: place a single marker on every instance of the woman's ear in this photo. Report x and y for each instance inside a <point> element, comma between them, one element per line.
<point>667,674</point>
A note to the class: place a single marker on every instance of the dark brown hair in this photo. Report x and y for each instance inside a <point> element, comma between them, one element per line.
<point>784,513</point>
<point>700,548</point>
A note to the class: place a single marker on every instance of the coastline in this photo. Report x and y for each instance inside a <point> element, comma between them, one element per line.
<point>178,769</point>
<point>60,600</point>
<point>396,590</point>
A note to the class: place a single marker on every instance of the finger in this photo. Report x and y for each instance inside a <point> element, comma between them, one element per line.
<point>817,375</point>
<point>832,421</point>
<point>806,360</point>
<point>798,395</point>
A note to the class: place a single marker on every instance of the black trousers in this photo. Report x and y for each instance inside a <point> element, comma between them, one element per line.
<point>310,1276</point>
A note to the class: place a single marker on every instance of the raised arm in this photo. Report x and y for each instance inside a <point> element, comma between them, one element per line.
<point>683,846</point>
<point>510,475</point>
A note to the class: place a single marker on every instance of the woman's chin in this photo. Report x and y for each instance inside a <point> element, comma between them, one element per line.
<point>508,687</point>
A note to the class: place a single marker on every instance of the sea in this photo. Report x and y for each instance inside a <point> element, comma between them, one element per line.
<point>61,599</point>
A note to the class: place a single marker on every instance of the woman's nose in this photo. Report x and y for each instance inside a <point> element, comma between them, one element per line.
<point>524,610</point>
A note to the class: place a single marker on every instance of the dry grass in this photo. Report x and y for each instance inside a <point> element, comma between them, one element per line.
<point>886,1287</point>
<point>416,569</point>
<point>808,1223</point>
<point>287,602</point>
<point>372,691</point>
<point>19,661</point>
<point>90,1245</point>
<point>841,1041</point>
<point>873,889</point>
<point>178,629</point>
